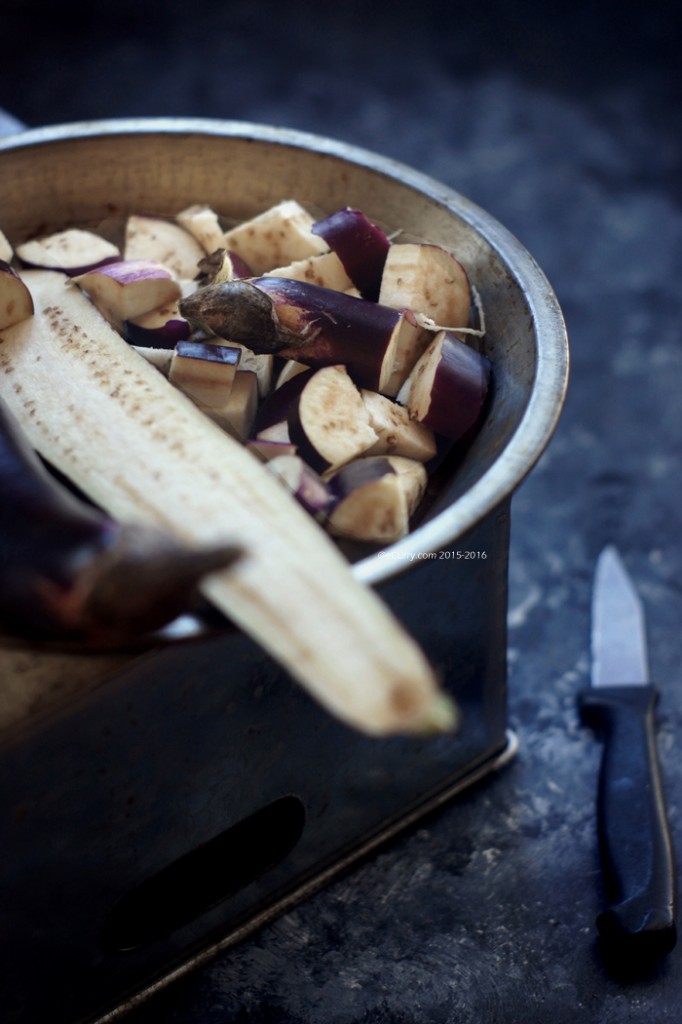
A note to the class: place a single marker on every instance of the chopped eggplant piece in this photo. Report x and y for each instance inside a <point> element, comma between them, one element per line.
<point>203,224</point>
<point>448,386</point>
<point>428,280</point>
<point>328,422</point>
<point>73,251</point>
<point>129,288</point>
<point>325,270</point>
<point>204,371</point>
<point>375,497</point>
<point>159,328</point>
<point>238,411</point>
<point>305,484</point>
<point>15,299</point>
<point>162,241</point>
<point>361,246</point>
<point>275,237</point>
<point>397,433</point>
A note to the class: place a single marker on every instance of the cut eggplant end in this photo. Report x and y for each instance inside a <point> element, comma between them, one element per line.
<point>329,423</point>
<point>304,483</point>
<point>407,343</point>
<point>276,237</point>
<point>360,245</point>
<point>428,280</point>
<point>153,238</point>
<point>204,371</point>
<point>375,511</point>
<point>397,433</point>
<point>16,301</point>
<point>203,223</point>
<point>128,289</point>
<point>73,251</point>
<point>447,387</point>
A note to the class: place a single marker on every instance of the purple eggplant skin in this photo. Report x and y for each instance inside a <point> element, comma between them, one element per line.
<point>70,572</point>
<point>299,320</point>
<point>459,391</point>
<point>167,336</point>
<point>360,245</point>
<point>278,404</point>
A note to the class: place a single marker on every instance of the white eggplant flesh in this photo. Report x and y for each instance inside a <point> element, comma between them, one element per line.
<point>205,372</point>
<point>16,303</point>
<point>397,434</point>
<point>275,433</point>
<point>6,250</point>
<point>236,414</point>
<point>163,241</point>
<point>328,422</point>
<point>304,483</point>
<point>160,358</point>
<point>447,388</point>
<point>129,288</point>
<point>267,450</point>
<point>262,365</point>
<point>276,237</point>
<point>325,270</point>
<point>373,501</point>
<point>73,251</point>
<point>428,280</point>
<point>203,223</point>
<point>291,369</point>
<point>112,424</point>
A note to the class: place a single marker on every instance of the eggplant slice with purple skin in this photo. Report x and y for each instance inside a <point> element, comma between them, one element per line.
<point>68,572</point>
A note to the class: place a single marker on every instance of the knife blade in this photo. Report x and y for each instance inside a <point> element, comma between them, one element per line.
<point>634,839</point>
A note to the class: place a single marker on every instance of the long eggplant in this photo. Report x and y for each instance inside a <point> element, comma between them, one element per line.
<point>314,325</point>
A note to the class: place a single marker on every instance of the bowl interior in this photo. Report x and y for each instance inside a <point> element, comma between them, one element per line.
<point>95,174</point>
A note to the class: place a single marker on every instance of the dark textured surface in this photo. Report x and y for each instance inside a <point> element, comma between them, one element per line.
<point>567,128</point>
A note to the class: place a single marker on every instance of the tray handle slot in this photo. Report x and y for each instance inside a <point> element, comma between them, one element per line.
<point>205,876</point>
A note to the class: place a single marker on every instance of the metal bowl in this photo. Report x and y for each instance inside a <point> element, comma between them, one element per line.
<point>90,173</point>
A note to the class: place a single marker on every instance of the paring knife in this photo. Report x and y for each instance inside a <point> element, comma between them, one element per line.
<point>634,841</point>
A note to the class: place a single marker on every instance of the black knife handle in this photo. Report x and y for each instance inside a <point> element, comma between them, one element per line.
<point>634,841</point>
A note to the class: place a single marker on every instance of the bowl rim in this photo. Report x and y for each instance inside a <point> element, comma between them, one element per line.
<point>548,392</point>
